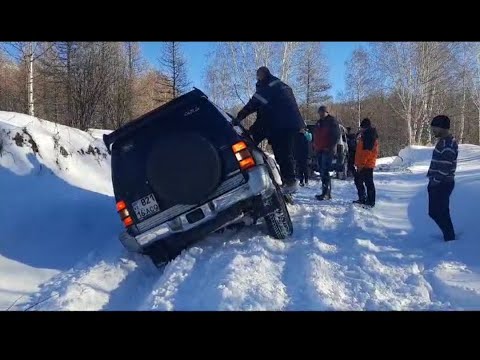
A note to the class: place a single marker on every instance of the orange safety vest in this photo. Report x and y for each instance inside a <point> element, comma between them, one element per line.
<point>365,158</point>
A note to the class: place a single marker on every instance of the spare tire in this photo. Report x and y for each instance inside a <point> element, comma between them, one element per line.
<point>184,168</point>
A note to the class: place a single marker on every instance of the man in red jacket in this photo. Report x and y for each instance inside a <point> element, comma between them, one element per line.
<point>325,137</point>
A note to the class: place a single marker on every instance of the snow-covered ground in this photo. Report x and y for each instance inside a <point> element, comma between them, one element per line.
<point>59,251</point>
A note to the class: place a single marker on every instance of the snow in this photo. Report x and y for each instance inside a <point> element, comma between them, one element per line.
<point>51,204</point>
<point>59,247</point>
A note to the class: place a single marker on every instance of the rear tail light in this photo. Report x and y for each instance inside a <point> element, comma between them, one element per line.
<point>241,145</point>
<point>247,163</point>
<point>121,205</point>
<point>243,155</point>
<point>124,214</point>
<point>128,221</point>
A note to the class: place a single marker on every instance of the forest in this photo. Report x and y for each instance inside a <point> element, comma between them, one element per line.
<point>400,86</point>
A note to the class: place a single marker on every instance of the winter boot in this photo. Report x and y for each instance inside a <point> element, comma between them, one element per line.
<point>323,197</point>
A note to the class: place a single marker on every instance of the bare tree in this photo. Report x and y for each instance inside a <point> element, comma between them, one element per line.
<point>464,71</point>
<point>28,53</point>
<point>312,79</point>
<point>288,53</point>
<point>417,74</point>
<point>475,83</point>
<point>12,85</point>
<point>174,67</point>
<point>359,78</point>
<point>219,79</point>
<point>135,65</point>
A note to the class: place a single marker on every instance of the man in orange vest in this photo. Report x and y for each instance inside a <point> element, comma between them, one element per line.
<point>365,159</point>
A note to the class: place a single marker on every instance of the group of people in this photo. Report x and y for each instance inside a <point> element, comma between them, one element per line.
<point>280,122</point>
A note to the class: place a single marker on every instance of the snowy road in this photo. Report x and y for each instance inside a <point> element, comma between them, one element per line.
<point>340,258</point>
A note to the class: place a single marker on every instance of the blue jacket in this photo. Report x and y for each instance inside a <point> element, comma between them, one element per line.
<point>275,105</point>
<point>444,161</point>
<point>301,147</point>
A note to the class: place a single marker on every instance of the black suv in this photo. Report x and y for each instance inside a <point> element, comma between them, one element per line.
<point>183,171</point>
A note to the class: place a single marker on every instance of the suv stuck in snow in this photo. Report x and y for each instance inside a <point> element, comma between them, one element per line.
<point>182,171</point>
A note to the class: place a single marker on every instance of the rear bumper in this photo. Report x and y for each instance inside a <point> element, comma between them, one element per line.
<point>218,212</point>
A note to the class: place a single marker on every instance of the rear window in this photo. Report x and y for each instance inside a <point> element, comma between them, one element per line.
<point>130,153</point>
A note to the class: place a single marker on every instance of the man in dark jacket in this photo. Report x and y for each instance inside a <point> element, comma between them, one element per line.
<point>442,176</point>
<point>352,146</point>
<point>325,137</point>
<point>278,120</point>
<point>301,154</point>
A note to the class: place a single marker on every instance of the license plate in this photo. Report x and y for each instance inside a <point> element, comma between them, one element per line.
<point>145,207</point>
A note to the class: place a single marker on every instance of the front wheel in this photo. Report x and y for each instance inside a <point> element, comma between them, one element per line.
<point>279,223</point>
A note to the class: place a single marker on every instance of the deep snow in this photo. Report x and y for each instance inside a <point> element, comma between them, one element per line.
<point>59,250</point>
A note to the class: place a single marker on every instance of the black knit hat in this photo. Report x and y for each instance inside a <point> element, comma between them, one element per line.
<point>264,70</point>
<point>322,108</point>
<point>441,121</point>
<point>365,123</point>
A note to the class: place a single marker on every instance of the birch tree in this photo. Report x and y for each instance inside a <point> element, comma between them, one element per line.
<point>28,53</point>
<point>416,73</point>
<point>359,79</point>
<point>475,84</point>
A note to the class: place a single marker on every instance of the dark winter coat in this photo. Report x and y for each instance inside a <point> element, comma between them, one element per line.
<point>351,142</point>
<point>301,148</point>
<point>275,105</point>
<point>326,134</point>
<point>444,161</point>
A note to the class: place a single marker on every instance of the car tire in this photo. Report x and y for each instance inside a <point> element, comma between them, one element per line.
<point>279,223</point>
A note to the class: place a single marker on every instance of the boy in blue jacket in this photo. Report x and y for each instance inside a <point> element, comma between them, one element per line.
<point>301,152</point>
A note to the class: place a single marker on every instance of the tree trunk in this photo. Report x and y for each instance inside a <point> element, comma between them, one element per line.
<point>409,122</point>
<point>462,114</point>
<point>69,84</point>
<point>478,125</point>
<point>359,110</point>
<point>30,59</point>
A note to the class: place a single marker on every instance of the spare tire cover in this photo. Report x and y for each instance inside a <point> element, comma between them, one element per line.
<point>184,168</point>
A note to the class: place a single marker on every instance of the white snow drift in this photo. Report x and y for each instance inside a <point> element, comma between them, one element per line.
<point>59,251</point>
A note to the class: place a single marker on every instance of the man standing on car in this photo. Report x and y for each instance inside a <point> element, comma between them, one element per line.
<point>325,137</point>
<point>365,161</point>
<point>281,120</point>
<point>352,146</point>
<point>442,176</point>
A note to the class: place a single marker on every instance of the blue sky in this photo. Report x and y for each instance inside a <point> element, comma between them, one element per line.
<point>196,54</point>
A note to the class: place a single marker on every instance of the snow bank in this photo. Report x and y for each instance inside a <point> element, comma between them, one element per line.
<point>418,155</point>
<point>56,201</point>
<point>69,153</point>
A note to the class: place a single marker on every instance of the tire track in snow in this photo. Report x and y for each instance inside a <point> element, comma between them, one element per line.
<point>343,272</point>
<point>312,280</point>
<point>112,282</point>
<point>241,272</point>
